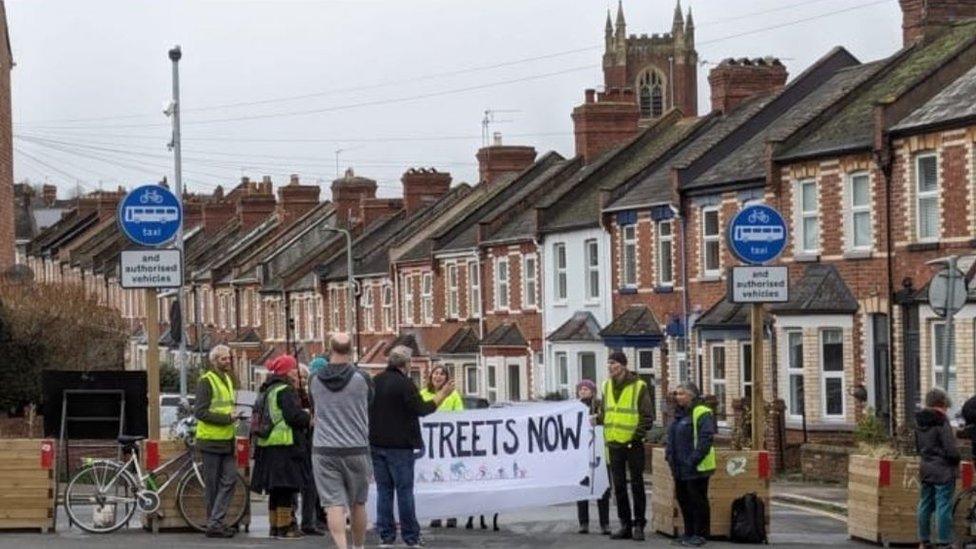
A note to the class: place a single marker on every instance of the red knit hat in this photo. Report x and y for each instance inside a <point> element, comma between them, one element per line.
<point>282,365</point>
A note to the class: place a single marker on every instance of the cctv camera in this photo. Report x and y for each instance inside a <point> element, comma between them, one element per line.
<point>169,107</point>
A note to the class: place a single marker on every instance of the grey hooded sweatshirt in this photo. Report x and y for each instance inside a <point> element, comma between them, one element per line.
<point>341,394</point>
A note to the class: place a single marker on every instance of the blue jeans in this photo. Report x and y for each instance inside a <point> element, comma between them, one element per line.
<point>393,470</point>
<point>935,498</point>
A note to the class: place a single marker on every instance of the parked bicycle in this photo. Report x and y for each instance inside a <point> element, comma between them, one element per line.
<point>103,496</point>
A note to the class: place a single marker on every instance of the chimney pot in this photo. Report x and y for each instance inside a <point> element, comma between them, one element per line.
<point>590,95</point>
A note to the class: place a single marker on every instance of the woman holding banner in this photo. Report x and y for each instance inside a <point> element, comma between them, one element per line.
<point>438,376</point>
<point>586,393</point>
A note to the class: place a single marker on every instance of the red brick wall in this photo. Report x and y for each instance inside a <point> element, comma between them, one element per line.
<point>6,164</point>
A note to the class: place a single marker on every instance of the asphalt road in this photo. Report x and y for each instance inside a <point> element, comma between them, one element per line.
<point>541,527</point>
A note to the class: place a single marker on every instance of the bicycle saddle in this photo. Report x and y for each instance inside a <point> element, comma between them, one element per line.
<point>130,439</point>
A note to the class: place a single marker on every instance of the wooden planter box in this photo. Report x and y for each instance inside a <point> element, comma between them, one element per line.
<point>27,492</point>
<point>882,495</point>
<point>737,473</point>
<point>168,516</point>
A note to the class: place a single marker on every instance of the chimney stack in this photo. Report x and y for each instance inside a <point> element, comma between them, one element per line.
<point>497,160</point>
<point>422,187</point>
<point>255,201</point>
<point>923,19</point>
<point>734,81</point>
<point>296,200</point>
<point>104,203</point>
<point>347,193</point>
<point>49,194</point>
<point>604,120</point>
<point>373,209</point>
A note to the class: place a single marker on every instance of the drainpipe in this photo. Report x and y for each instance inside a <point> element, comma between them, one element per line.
<point>685,299</point>
<point>541,289</point>
<point>883,159</point>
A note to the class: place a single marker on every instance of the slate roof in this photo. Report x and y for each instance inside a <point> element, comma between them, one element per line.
<point>748,161</point>
<point>637,320</point>
<point>582,326</point>
<point>376,235</point>
<point>726,315</point>
<point>505,335</point>
<point>655,187</point>
<point>579,205</point>
<point>954,103</point>
<point>821,290</point>
<point>462,342</point>
<point>244,270</point>
<point>522,223</point>
<point>851,127</point>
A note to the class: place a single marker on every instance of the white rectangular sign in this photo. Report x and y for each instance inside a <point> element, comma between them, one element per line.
<point>150,269</point>
<point>759,285</point>
<point>480,462</point>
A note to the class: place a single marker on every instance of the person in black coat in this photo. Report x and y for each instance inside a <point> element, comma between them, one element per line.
<point>939,467</point>
<point>279,470</point>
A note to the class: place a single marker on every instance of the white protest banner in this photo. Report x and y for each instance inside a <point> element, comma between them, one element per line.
<point>498,459</point>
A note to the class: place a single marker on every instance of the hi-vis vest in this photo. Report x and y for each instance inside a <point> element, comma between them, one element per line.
<point>620,418</point>
<point>281,433</point>
<point>452,403</point>
<point>221,402</point>
<point>708,463</point>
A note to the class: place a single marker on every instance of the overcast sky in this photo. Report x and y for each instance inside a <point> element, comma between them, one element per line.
<point>276,87</point>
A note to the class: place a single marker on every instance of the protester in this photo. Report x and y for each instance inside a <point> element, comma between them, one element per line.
<point>340,395</point>
<point>438,376</point>
<point>313,518</point>
<point>216,430</point>
<point>936,444</point>
<point>586,393</point>
<point>279,458</point>
<point>691,456</point>
<point>626,416</point>
<point>394,435</point>
<point>317,364</point>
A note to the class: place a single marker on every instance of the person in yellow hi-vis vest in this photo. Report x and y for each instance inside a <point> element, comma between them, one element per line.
<point>691,455</point>
<point>436,378</point>
<point>627,414</point>
<point>216,430</point>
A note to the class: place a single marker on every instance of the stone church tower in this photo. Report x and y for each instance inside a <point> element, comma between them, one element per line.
<point>661,69</point>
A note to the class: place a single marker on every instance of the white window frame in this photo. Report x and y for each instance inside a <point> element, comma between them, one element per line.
<point>491,389</point>
<point>309,319</point>
<point>387,307</point>
<point>502,286</point>
<point>833,374</point>
<point>474,290</point>
<point>791,371</point>
<point>743,384</point>
<point>470,369</point>
<point>256,308</point>
<point>591,256</point>
<point>530,282</point>
<point>926,195</point>
<point>452,291</point>
<point>563,379</point>
<point>427,298</point>
<point>628,256</point>
<point>936,350</point>
<point>661,259</point>
<point>334,309</point>
<point>560,284</point>
<point>408,309</point>
<point>367,305</point>
<point>723,381</point>
<point>853,211</point>
<point>245,307</point>
<point>711,239</point>
<point>804,214</point>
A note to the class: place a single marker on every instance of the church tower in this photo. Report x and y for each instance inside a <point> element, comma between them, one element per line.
<point>661,69</point>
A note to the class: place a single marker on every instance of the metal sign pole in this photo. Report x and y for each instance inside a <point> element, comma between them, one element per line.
<point>758,404</point>
<point>152,361</point>
<point>948,336</point>
<point>175,54</point>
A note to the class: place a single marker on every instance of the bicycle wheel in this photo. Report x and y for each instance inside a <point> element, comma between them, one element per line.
<point>101,498</point>
<point>190,499</point>
<point>962,508</point>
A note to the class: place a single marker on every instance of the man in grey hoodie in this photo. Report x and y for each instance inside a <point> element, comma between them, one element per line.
<point>340,395</point>
<point>939,453</point>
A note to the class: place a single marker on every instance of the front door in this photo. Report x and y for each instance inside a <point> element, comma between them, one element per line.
<point>514,382</point>
<point>882,370</point>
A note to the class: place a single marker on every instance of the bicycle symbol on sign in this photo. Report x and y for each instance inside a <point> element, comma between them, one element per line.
<point>151,197</point>
<point>758,216</point>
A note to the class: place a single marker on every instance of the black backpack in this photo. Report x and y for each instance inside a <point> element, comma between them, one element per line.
<point>261,424</point>
<point>748,520</point>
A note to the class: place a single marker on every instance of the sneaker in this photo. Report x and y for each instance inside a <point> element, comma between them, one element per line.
<point>391,543</point>
<point>625,532</point>
<point>605,531</point>
<point>680,541</point>
<point>224,533</point>
<point>694,541</point>
<point>638,534</point>
<point>418,543</point>
<point>584,529</point>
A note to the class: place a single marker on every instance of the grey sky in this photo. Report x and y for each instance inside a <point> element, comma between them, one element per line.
<point>98,59</point>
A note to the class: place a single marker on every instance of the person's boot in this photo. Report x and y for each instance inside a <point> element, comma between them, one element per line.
<point>605,530</point>
<point>638,534</point>
<point>452,523</point>
<point>286,528</point>
<point>470,524</point>
<point>625,532</point>
<point>584,528</point>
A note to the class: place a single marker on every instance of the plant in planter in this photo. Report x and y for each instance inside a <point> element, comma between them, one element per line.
<point>872,437</point>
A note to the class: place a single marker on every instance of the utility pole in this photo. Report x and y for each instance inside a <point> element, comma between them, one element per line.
<point>174,111</point>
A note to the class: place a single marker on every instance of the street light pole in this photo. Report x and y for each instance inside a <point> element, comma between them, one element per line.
<point>174,55</point>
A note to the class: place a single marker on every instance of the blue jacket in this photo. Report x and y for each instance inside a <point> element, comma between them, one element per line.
<point>681,452</point>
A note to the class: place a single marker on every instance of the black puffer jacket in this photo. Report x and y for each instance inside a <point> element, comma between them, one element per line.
<point>936,444</point>
<point>282,466</point>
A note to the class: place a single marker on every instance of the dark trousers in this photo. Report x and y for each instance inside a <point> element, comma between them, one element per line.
<point>219,480</point>
<point>393,469</point>
<point>281,498</point>
<point>312,514</point>
<point>692,498</point>
<point>628,461</point>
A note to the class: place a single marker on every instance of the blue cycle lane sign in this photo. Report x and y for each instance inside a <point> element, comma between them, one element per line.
<point>150,215</point>
<point>757,235</point>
